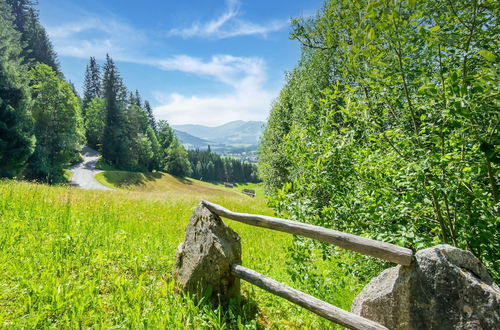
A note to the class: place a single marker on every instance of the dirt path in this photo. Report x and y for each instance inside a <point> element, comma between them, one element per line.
<point>84,172</point>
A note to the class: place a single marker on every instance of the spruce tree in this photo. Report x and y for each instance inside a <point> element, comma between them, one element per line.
<point>137,99</point>
<point>36,44</point>
<point>116,144</point>
<point>92,82</point>
<point>39,43</point>
<point>16,138</point>
<point>151,117</point>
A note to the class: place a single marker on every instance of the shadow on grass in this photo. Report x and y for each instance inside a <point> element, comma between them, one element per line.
<point>239,310</point>
<point>122,179</point>
<point>183,180</point>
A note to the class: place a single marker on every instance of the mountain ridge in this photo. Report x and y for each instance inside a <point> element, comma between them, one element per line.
<point>237,132</point>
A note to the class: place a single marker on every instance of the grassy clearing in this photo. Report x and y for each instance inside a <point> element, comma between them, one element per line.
<point>71,258</point>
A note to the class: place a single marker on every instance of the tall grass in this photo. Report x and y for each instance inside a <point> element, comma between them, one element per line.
<point>71,258</point>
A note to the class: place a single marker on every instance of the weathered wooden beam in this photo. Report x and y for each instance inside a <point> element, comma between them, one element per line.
<point>377,249</point>
<point>330,312</point>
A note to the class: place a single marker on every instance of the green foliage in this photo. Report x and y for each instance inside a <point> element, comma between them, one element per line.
<point>116,144</point>
<point>172,156</point>
<point>149,111</point>
<point>402,144</point>
<point>58,125</point>
<point>91,83</point>
<point>128,141</point>
<point>208,166</point>
<point>155,148</point>
<point>16,136</point>
<point>165,134</point>
<point>177,162</point>
<point>37,47</point>
<point>94,120</point>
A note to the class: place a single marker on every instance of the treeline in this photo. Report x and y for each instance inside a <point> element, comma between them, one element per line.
<point>389,126</point>
<point>41,129</point>
<point>208,166</point>
<point>44,124</point>
<point>119,124</point>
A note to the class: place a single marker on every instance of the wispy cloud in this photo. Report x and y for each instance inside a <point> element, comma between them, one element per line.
<point>248,100</point>
<point>245,76</point>
<point>96,36</point>
<point>228,25</point>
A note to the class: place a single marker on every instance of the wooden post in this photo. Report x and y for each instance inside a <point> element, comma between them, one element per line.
<point>330,312</point>
<point>377,249</point>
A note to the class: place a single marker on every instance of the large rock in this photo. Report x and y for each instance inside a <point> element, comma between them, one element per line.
<point>204,258</point>
<point>444,288</point>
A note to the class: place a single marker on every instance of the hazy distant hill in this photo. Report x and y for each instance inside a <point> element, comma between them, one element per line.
<point>192,142</point>
<point>236,132</point>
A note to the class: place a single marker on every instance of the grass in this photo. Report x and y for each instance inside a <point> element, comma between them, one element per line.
<point>71,258</point>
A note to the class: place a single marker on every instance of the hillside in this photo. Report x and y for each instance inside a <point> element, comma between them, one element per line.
<point>174,187</point>
<point>73,258</point>
<point>192,142</point>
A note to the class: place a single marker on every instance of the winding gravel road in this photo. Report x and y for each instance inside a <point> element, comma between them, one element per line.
<point>84,172</point>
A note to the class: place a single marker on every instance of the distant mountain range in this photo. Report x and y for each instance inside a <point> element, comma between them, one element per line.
<point>233,137</point>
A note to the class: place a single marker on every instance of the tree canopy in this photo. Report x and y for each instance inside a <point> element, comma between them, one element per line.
<point>388,125</point>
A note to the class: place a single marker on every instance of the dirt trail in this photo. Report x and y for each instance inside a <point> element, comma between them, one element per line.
<point>84,172</point>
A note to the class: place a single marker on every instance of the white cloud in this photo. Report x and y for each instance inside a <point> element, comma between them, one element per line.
<point>213,110</point>
<point>249,100</point>
<point>228,25</point>
<point>94,36</point>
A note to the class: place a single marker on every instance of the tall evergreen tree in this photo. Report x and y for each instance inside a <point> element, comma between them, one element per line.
<point>116,144</point>
<point>151,117</point>
<point>36,43</point>
<point>138,100</point>
<point>92,82</point>
<point>16,138</point>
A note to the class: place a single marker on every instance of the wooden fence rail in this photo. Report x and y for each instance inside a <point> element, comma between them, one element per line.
<point>377,249</point>
<point>329,312</point>
<point>381,250</point>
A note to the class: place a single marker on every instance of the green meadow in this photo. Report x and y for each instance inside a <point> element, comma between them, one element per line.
<point>71,258</point>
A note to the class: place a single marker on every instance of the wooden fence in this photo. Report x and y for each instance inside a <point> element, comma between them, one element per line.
<point>381,250</point>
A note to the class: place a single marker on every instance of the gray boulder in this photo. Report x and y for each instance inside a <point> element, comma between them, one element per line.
<point>444,288</point>
<point>204,258</point>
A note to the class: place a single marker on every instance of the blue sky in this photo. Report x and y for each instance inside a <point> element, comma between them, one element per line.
<point>197,62</point>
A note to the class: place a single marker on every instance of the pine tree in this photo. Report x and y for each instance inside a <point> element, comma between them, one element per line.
<point>92,82</point>
<point>151,117</point>
<point>16,137</point>
<point>137,99</point>
<point>39,43</point>
<point>116,146</point>
<point>36,44</point>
